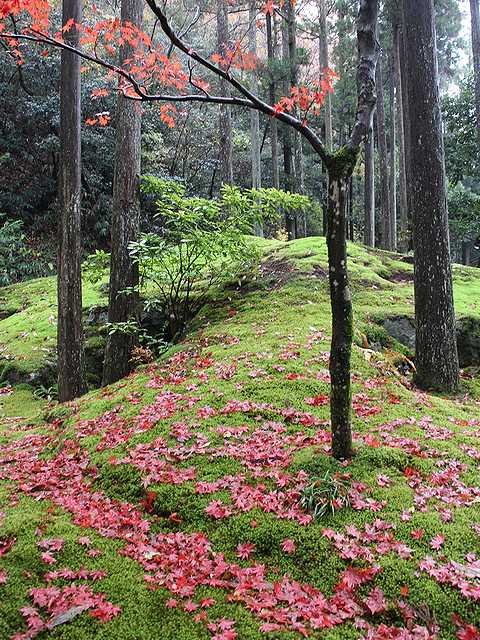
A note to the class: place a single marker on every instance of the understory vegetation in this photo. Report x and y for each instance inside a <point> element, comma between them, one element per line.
<point>240,320</point>
<point>196,498</point>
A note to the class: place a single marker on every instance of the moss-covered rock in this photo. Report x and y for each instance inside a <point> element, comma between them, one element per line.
<point>468,341</point>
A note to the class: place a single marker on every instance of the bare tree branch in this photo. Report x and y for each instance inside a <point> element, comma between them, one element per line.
<point>255,101</point>
<point>249,100</point>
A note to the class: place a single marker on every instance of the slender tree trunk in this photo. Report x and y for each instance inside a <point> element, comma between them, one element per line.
<point>342,316</point>
<point>298,169</point>
<point>125,218</point>
<point>402,181</point>
<point>350,209</point>
<point>299,179</point>
<point>71,365</point>
<point>287,162</point>
<point>369,198</point>
<point>324,63</point>
<point>407,240</point>
<point>383,160</point>
<point>466,252</point>
<point>392,208</point>
<point>273,99</point>
<point>475,22</point>
<point>340,170</point>
<point>225,120</point>
<point>254,114</point>
<point>436,358</point>
<point>287,134</point>
<point>301,218</point>
<point>323,59</point>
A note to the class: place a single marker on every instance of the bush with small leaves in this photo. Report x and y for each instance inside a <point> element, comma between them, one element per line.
<point>203,245</point>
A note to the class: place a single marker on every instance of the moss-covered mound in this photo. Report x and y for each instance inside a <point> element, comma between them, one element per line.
<point>177,504</point>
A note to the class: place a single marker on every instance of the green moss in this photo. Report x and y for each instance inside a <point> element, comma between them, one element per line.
<point>264,323</point>
<point>313,462</point>
<point>342,163</point>
<point>22,402</point>
<point>122,482</point>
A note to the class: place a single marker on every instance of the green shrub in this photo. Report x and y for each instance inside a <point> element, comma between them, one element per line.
<point>95,266</point>
<point>464,214</point>
<point>17,260</point>
<point>204,244</point>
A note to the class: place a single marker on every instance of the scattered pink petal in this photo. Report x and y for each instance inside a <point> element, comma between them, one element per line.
<point>437,541</point>
<point>289,546</point>
<point>245,550</point>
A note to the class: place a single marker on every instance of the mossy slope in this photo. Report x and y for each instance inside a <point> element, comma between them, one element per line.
<point>267,346</point>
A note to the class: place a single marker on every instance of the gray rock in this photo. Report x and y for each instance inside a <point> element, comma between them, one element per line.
<point>402,328</point>
<point>468,341</point>
<point>97,316</point>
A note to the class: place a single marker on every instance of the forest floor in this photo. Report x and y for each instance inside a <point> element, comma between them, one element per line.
<point>169,505</point>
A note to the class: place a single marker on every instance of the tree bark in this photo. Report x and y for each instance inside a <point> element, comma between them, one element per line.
<point>340,169</point>
<point>351,231</point>
<point>288,167</point>
<point>466,252</point>
<point>383,161</point>
<point>436,358</point>
<point>342,315</point>
<point>323,59</point>
<point>71,365</point>
<point>255,115</point>
<point>324,63</point>
<point>299,186</point>
<point>475,23</point>
<point>225,118</point>
<point>392,208</point>
<point>125,218</point>
<point>402,180</point>
<point>273,99</point>
<point>369,197</point>
<point>407,239</point>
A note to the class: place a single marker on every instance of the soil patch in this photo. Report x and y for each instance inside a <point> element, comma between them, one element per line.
<point>276,272</point>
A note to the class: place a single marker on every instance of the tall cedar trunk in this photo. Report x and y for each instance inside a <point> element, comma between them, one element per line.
<point>369,195</point>
<point>467,252</point>
<point>340,170</point>
<point>225,160</point>
<point>351,234</point>
<point>254,114</point>
<point>299,186</point>
<point>407,240</point>
<point>436,358</point>
<point>324,62</point>
<point>125,218</point>
<point>392,191</point>
<point>383,161</point>
<point>272,97</point>
<point>402,180</point>
<point>287,133</point>
<point>475,21</point>
<point>71,365</point>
